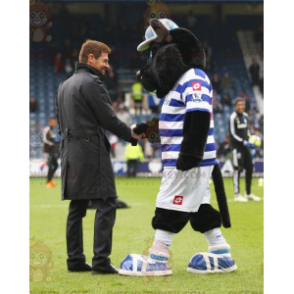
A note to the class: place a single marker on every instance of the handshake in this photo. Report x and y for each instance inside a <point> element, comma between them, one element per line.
<point>148,130</point>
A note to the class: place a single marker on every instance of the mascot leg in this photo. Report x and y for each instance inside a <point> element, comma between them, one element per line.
<point>207,221</point>
<point>166,223</point>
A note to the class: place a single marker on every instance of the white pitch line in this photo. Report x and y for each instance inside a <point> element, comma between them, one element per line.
<point>131,204</point>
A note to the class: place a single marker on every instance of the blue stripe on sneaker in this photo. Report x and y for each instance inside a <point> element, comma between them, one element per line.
<point>211,263</point>
<point>225,262</point>
<point>198,262</point>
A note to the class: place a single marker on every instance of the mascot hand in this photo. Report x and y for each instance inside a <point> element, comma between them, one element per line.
<point>140,128</point>
<point>185,162</point>
<point>150,130</point>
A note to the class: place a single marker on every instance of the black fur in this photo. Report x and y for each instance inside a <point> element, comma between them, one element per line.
<point>205,219</point>
<point>140,128</point>
<point>221,196</point>
<point>169,220</point>
<point>196,129</point>
<point>190,47</point>
<point>166,68</point>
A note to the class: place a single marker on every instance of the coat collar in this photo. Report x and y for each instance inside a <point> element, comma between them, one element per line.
<point>90,69</point>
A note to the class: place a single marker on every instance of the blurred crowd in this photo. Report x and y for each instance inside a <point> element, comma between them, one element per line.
<point>64,57</point>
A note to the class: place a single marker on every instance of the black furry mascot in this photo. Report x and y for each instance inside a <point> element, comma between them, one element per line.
<point>176,60</point>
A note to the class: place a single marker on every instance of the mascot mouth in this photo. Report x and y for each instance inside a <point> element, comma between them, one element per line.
<point>36,22</point>
<point>36,263</point>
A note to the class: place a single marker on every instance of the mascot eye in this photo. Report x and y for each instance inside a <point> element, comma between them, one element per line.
<point>42,15</point>
<point>41,255</point>
<point>32,15</point>
<point>152,14</point>
<point>32,255</point>
<point>161,14</point>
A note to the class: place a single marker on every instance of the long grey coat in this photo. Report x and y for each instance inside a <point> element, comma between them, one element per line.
<point>84,112</point>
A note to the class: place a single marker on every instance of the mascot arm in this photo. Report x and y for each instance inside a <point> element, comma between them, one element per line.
<point>196,129</point>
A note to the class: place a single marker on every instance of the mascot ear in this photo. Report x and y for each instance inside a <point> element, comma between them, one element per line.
<point>190,47</point>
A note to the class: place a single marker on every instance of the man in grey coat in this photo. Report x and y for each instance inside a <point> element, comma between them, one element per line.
<point>84,113</point>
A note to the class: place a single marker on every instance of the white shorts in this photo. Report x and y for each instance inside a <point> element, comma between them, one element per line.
<point>207,196</point>
<point>184,190</point>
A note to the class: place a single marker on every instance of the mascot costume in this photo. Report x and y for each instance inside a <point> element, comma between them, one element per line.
<point>176,60</point>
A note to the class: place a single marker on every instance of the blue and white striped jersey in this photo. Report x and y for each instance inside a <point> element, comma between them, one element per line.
<point>192,92</point>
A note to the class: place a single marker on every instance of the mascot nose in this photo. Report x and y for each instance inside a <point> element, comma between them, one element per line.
<point>138,75</point>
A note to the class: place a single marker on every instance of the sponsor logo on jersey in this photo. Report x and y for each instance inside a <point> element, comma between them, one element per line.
<point>196,97</point>
<point>196,86</point>
<point>178,200</point>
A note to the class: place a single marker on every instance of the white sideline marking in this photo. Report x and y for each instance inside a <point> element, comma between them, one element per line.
<point>131,204</point>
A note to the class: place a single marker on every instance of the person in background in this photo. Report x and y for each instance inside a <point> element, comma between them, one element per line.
<point>226,100</point>
<point>216,96</point>
<point>137,95</point>
<point>227,84</point>
<point>257,152</point>
<point>148,151</point>
<point>58,66</point>
<point>247,100</point>
<point>216,83</point>
<point>261,84</point>
<point>68,67</point>
<point>33,105</point>
<point>261,123</point>
<point>217,107</point>
<point>124,115</point>
<point>254,72</point>
<point>51,147</point>
<point>256,119</point>
<point>132,155</point>
<point>224,148</point>
<point>239,134</point>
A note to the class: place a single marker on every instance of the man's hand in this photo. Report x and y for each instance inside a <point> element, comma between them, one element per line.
<point>134,135</point>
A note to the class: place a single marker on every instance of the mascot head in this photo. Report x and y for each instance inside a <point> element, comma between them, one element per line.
<point>171,52</point>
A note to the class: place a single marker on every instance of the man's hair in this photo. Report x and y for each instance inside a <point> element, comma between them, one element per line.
<point>92,47</point>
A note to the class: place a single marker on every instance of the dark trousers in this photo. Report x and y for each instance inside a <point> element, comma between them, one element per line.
<point>242,159</point>
<point>52,165</point>
<point>103,225</point>
<point>132,167</point>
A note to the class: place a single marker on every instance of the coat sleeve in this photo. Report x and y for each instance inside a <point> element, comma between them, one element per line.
<point>57,109</point>
<point>100,103</point>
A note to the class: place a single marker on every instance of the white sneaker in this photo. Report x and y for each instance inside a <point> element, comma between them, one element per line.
<point>252,197</point>
<point>240,198</point>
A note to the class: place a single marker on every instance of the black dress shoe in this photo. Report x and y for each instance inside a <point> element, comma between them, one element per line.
<point>82,268</point>
<point>108,269</point>
<point>121,204</point>
<point>118,204</point>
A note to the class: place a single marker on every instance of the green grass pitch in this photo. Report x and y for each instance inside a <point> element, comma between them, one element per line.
<point>132,234</point>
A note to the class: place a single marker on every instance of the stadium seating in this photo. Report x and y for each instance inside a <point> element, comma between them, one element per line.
<point>222,39</point>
